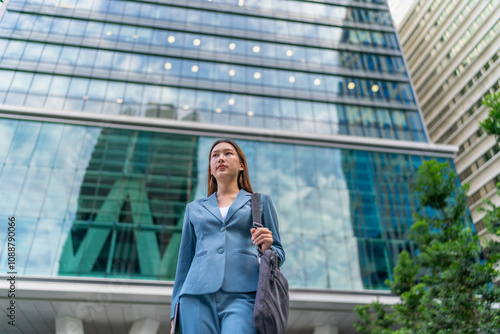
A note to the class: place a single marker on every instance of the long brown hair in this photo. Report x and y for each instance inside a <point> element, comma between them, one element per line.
<point>243,177</point>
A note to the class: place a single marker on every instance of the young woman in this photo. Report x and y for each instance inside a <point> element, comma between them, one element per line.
<point>218,266</point>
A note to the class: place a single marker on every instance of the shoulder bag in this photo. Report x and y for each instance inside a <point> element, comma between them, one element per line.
<point>272,298</point>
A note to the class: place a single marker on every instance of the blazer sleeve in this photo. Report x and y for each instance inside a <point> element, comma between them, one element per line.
<point>270,220</point>
<point>186,254</point>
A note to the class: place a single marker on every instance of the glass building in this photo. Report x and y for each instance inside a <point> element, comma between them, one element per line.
<point>108,110</point>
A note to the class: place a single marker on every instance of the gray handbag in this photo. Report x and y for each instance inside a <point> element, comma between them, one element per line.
<point>272,300</point>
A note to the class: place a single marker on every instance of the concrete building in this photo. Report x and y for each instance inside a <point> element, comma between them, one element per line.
<point>108,109</point>
<point>453,56</point>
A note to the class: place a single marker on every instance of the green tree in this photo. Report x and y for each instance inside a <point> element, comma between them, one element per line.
<point>491,126</point>
<point>445,288</point>
<point>376,321</point>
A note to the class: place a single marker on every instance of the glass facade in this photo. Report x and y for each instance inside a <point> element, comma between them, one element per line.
<point>97,200</point>
<point>104,202</point>
<point>237,63</point>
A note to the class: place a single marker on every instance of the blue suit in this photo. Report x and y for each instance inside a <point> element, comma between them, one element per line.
<point>217,254</point>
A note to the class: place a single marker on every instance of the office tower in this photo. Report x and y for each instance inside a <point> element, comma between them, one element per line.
<point>109,108</point>
<point>452,53</point>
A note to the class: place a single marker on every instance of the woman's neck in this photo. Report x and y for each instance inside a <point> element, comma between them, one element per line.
<point>227,190</point>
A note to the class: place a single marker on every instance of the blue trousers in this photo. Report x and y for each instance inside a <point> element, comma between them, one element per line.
<point>217,313</point>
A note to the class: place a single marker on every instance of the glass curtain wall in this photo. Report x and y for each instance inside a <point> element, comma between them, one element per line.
<point>106,202</point>
<point>238,63</point>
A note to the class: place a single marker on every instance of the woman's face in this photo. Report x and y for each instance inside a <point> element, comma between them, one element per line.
<point>224,162</point>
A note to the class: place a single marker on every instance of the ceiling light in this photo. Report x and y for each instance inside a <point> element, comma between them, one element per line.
<point>291,79</point>
<point>289,53</point>
<point>231,101</point>
<point>256,49</point>
<point>232,73</point>
<point>194,68</point>
<point>119,100</point>
<point>374,88</point>
<point>171,39</point>
<point>196,42</point>
<point>232,46</point>
<point>168,66</point>
<point>241,2</point>
<point>351,85</point>
<point>135,36</point>
<point>109,33</point>
<point>317,82</point>
<point>186,107</point>
<point>85,97</point>
<point>218,110</point>
<point>256,75</point>
<point>250,113</point>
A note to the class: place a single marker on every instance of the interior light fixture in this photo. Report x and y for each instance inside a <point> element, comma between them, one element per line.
<point>109,33</point>
<point>256,75</point>
<point>194,68</point>
<point>291,79</point>
<point>85,97</point>
<point>119,100</point>
<point>168,66</point>
<point>218,110</point>
<point>134,36</point>
<point>232,73</point>
<point>375,88</point>
<point>186,107</point>
<point>232,46</point>
<point>241,3</point>
<point>289,53</point>
<point>351,85</point>
<point>317,82</point>
<point>256,49</point>
<point>171,39</point>
<point>196,42</point>
<point>250,113</point>
<point>231,101</point>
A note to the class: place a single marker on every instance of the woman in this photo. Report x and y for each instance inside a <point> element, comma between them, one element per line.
<point>217,269</point>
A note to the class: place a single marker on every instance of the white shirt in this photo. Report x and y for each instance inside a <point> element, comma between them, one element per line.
<point>223,211</point>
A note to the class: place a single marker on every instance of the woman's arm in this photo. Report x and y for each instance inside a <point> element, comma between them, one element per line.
<point>270,220</point>
<point>186,254</point>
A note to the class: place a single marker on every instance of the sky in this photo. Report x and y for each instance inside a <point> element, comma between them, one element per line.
<point>399,9</point>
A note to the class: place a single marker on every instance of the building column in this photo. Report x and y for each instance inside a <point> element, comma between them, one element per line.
<point>144,326</point>
<point>69,325</point>
<point>328,329</point>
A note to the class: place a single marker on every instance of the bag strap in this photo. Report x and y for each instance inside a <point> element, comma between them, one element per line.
<point>256,216</point>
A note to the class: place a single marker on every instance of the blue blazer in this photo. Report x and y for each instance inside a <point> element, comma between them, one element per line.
<point>219,254</point>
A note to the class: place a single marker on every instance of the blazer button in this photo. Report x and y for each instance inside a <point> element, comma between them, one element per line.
<point>220,250</point>
<point>222,229</point>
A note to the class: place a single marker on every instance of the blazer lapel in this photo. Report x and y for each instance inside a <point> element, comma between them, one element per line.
<point>210,203</point>
<point>241,199</point>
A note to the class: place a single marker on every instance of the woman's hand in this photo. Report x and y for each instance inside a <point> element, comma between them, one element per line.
<point>263,237</point>
<point>172,326</point>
